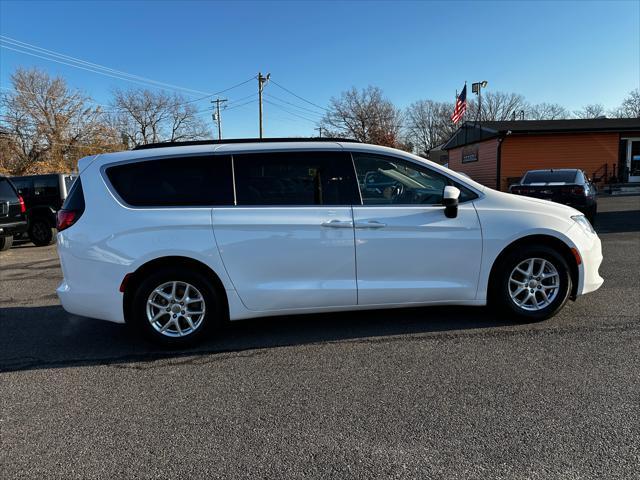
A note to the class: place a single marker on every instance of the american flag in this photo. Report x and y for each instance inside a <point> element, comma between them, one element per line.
<point>461,106</point>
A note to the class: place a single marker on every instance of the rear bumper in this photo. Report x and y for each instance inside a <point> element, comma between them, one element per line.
<point>13,228</point>
<point>90,304</point>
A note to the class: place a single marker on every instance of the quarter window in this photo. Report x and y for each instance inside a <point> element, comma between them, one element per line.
<point>184,181</point>
<point>295,178</point>
<point>386,180</point>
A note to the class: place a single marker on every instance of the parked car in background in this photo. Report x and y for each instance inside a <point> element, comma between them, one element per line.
<point>568,186</point>
<point>204,232</point>
<point>12,214</point>
<point>43,196</point>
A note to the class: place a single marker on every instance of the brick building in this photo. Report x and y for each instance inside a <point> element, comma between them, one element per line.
<point>496,154</point>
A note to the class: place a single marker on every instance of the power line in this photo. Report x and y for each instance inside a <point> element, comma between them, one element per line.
<point>294,105</point>
<point>79,66</point>
<point>222,91</point>
<point>85,65</point>
<point>242,104</point>
<point>103,70</point>
<point>298,96</point>
<point>290,112</point>
<point>233,102</point>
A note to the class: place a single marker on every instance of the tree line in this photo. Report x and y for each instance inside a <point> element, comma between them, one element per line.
<point>46,126</point>
<point>367,115</point>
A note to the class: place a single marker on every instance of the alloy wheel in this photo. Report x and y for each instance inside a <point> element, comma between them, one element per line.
<point>534,284</point>
<point>175,309</point>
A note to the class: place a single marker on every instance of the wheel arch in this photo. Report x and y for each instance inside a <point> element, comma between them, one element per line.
<point>536,240</point>
<point>134,279</point>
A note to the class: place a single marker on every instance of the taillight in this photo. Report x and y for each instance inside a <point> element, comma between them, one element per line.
<point>573,190</point>
<point>23,207</point>
<point>66,218</point>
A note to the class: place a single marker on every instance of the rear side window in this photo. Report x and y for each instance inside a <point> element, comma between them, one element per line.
<point>295,178</point>
<point>68,181</point>
<point>183,181</point>
<point>6,190</point>
<point>75,199</point>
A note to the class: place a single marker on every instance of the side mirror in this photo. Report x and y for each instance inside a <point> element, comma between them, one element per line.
<point>450,201</point>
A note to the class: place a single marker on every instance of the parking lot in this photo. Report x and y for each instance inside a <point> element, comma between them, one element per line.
<point>418,393</point>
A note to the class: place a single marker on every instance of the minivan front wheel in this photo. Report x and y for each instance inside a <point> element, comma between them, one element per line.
<point>534,283</point>
<point>175,308</point>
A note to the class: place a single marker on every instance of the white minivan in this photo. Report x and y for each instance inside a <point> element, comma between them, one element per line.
<point>179,238</point>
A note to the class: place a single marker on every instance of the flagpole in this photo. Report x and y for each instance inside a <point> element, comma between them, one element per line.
<point>465,112</point>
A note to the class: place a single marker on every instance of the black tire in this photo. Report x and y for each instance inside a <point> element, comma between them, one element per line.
<point>212,318</point>
<point>41,233</point>
<point>502,294</point>
<point>5,243</point>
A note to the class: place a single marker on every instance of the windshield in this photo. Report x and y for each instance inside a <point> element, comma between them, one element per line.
<point>549,176</point>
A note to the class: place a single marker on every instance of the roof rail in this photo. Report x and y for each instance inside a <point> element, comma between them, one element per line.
<point>243,140</point>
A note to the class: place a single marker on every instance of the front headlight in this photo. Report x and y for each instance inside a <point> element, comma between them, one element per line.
<point>584,223</point>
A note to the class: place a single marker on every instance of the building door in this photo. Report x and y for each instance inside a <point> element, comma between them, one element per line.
<point>633,159</point>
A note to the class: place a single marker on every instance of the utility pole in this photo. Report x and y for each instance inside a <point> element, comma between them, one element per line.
<point>319,131</point>
<point>261,82</point>
<point>217,117</point>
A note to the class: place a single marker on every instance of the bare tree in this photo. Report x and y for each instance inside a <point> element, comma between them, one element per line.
<point>630,107</point>
<point>48,125</point>
<point>143,116</point>
<point>364,115</point>
<point>547,111</point>
<point>428,124</point>
<point>496,106</point>
<point>593,110</point>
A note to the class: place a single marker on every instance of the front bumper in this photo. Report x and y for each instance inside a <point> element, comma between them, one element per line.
<point>590,248</point>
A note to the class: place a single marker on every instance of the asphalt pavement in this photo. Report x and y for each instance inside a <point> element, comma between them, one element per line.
<point>417,393</point>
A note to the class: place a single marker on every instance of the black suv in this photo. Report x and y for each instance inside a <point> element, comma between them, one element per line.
<point>12,214</point>
<point>43,196</point>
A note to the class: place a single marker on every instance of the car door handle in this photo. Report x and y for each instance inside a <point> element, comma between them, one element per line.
<point>371,224</point>
<point>337,224</point>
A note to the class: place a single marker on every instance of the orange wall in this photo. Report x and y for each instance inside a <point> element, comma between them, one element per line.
<point>484,170</point>
<point>588,151</point>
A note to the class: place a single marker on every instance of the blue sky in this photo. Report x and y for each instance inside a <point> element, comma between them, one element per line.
<point>571,53</point>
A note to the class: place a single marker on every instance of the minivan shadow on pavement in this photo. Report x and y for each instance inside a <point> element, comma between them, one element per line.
<point>48,337</point>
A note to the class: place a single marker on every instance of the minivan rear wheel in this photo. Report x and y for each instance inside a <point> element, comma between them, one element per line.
<point>533,283</point>
<point>175,307</point>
